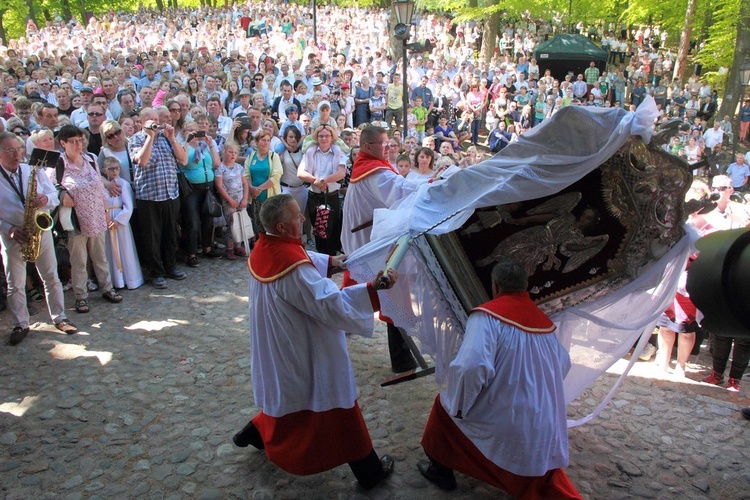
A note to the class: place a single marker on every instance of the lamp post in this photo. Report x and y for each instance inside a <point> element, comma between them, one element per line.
<point>315,22</point>
<point>744,75</point>
<point>404,10</point>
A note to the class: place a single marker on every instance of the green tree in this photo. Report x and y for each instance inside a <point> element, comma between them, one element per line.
<point>733,91</point>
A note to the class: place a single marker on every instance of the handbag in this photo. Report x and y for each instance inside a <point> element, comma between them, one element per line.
<point>242,226</point>
<point>322,216</point>
<point>211,205</point>
<point>186,189</point>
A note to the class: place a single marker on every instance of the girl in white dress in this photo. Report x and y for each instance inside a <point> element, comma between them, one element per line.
<point>124,265</point>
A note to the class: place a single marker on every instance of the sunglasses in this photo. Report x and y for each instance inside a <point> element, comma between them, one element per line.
<point>94,113</point>
<point>720,188</point>
<point>113,134</point>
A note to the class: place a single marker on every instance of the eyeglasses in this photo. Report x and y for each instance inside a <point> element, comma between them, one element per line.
<point>74,141</point>
<point>258,79</point>
<point>720,188</point>
<point>94,113</point>
<point>268,113</point>
<point>113,168</point>
<point>385,144</point>
<point>113,134</point>
<point>175,110</point>
<point>13,150</point>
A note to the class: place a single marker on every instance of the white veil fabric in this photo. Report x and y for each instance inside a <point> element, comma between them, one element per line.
<point>544,161</point>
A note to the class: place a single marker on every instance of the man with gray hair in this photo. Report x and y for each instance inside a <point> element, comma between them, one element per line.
<point>302,378</point>
<point>502,418</point>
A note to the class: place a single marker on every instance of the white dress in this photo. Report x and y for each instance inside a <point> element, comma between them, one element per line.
<point>128,272</point>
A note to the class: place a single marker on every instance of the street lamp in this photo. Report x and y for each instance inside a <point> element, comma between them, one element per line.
<point>404,10</point>
<point>744,74</point>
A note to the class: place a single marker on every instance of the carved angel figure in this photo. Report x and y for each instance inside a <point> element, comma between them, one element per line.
<point>555,231</point>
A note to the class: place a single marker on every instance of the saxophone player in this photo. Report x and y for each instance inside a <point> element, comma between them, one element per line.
<point>14,178</point>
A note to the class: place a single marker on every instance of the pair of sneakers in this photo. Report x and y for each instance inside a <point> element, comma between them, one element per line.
<point>717,378</point>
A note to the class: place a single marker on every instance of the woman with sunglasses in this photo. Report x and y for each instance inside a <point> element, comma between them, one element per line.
<point>116,145</point>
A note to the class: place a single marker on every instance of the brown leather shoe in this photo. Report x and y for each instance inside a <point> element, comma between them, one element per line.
<point>66,326</point>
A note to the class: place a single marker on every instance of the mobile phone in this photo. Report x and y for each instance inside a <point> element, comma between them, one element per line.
<point>164,53</point>
<point>200,133</point>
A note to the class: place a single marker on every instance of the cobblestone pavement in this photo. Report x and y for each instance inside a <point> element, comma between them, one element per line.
<point>144,401</point>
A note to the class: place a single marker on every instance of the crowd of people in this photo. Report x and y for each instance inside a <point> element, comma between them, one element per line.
<point>169,124</point>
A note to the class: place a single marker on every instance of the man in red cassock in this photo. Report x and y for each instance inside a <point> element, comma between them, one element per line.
<point>502,418</point>
<point>301,373</point>
<point>375,183</point>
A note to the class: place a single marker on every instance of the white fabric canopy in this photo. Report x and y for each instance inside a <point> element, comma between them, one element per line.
<point>544,161</point>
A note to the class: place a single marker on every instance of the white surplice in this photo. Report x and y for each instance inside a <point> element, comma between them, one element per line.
<point>299,356</point>
<point>508,385</point>
<point>131,274</point>
<point>381,189</point>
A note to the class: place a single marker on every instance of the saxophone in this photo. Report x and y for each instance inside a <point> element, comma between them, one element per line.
<point>34,222</point>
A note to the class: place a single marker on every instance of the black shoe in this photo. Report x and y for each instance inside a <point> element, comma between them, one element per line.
<point>176,274</point>
<point>387,462</point>
<point>249,435</point>
<point>193,261</point>
<point>444,481</point>
<point>17,335</point>
<point>745,413</point>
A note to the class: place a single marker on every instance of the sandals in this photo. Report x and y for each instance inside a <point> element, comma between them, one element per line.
<point>112,296</point>
<point>82,306</point>
<point>229,255</point>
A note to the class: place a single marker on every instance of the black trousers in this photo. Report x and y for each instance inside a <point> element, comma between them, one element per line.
<point>195,222</point>
<point>158,221</point>
<point>740,357</point>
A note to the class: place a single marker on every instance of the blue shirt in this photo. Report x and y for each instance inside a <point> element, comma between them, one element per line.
<point>199,171</point>
<point>157,180</point>
<point>738,174</point>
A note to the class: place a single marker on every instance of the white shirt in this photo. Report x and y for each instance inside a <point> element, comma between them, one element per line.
<point>11,207</point>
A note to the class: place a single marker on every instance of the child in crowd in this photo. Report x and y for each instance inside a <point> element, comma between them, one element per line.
<point>124,266</point>
<point>411,120</point>
<point>420,114</point>
<point>403,164</point>
<point>233,188</point>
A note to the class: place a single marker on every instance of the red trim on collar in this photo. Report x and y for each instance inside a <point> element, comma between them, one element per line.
<point>276,256</point>
<point>366,165</point>
<point>518,310</point>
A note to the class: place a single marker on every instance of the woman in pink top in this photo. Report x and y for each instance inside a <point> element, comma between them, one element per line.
<point>83,190</point>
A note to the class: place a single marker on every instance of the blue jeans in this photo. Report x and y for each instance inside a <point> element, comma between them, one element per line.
<point>476,125</point>
<point>193,220</point>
